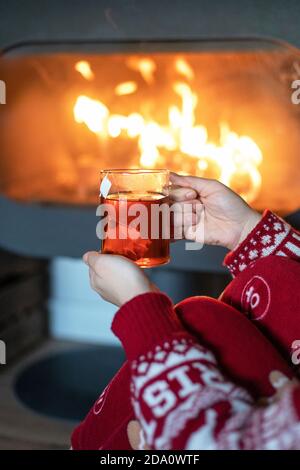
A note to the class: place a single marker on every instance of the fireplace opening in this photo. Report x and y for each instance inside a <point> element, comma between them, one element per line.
<point>218,109</point>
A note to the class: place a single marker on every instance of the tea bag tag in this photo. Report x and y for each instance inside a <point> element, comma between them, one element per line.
<point>105,186</point>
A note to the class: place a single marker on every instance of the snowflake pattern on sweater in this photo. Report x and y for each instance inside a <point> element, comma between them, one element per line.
<point>182,401</point>
<point>271,236</point>
<point>173,385</point>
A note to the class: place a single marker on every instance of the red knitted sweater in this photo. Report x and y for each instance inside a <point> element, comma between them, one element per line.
<point>196,371</point>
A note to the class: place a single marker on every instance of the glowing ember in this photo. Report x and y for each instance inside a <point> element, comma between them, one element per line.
<point>125,88</point>
<point>84,68</point>
<point>181,143</point>
<point>145,66</point>
<point>184,69</point>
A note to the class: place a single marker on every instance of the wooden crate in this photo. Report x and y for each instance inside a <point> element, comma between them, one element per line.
<point>29,330</point>
<point>23,303</point>
<point>12,265</point>
<point>21,294</point>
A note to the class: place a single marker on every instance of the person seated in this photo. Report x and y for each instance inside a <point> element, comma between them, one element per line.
<point>205,373</point>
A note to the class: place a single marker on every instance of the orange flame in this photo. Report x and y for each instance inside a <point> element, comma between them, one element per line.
<point>235,159</point>
<point>84,68</point>
<point>184,68</point>
<point>145,66</point>
<point>125,88</point>
<point>91,112</point>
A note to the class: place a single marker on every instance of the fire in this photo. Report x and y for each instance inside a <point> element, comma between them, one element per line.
<point>125,88</point>
<point>84,68</point>
<point>183,68</point>
<point>181,143</point>
<point>145,66</point>
<point>92,112</point>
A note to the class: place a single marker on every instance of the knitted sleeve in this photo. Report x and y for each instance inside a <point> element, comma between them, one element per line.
<point>180,397</point>
<point>271,236</point>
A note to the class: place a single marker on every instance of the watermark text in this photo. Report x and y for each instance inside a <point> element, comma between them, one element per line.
<point>2,92</point>
<point>2,352</point>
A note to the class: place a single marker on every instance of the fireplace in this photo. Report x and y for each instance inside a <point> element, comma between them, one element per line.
<point>203,108</point>
<point>219,108</point>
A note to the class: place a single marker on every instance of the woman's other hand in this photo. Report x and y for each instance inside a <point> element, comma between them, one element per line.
<point>116,278</point>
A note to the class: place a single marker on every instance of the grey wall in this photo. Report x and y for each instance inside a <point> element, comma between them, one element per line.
<point>49,19</point>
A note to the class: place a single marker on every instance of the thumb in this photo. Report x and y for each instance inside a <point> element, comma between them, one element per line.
<point>90,258</point>
<point>180,194</point>
<point>201,185</point>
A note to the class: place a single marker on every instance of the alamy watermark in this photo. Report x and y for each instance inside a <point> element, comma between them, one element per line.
<point>2,92</point>
<point>142,221</point>
<point>295,97</point>
<point>296,94</point>
<point>295,355</point>
<point>2,352</point>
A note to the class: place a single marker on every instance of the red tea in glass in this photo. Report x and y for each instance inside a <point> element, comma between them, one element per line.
<point>136,225</point>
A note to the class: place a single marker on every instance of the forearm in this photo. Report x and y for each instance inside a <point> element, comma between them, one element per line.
<point>266,285</point>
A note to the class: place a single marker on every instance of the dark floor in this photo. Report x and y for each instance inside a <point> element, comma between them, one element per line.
<point>20,427</point>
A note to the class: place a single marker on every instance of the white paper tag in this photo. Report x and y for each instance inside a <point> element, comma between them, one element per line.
<point>105,186</point>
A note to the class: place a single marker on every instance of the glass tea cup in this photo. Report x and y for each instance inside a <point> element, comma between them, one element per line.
<point>136,220</point>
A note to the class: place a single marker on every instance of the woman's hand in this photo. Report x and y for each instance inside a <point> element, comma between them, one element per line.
<point>115,278</point>
<point>227,217</point>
